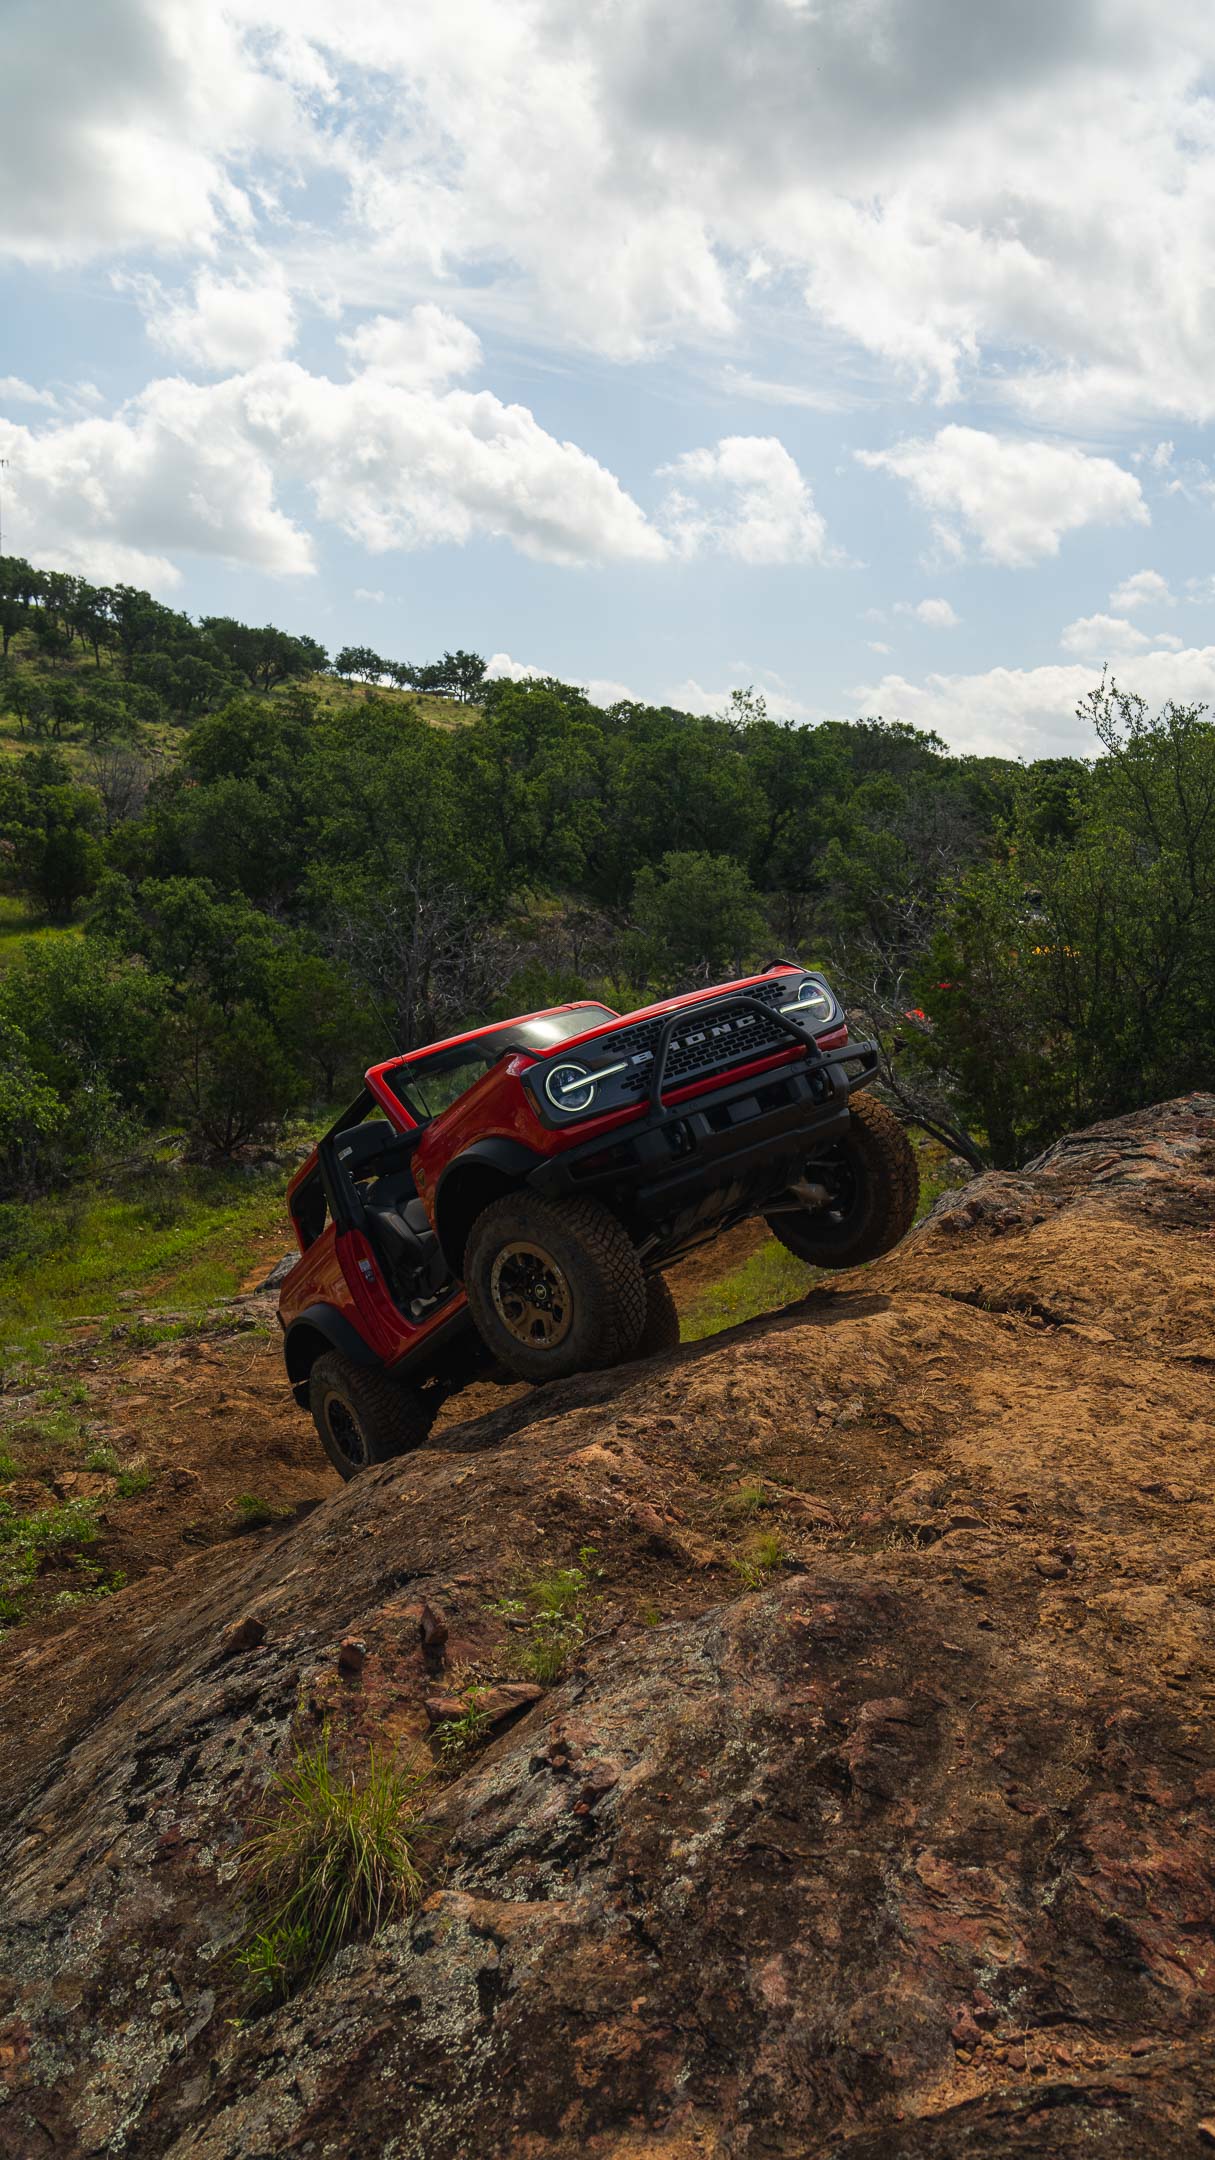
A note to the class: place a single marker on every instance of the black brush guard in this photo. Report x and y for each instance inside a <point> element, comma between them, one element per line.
<point>739,1132</point>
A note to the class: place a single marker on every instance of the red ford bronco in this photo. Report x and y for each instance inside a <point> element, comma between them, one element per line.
<point>510,1197</point>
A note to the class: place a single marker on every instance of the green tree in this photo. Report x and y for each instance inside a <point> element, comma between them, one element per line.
<point>32,1115</point>
<point>700,913</point>
<point>227,1074</point>
<point>1074,980</point>
<point>56,857</point>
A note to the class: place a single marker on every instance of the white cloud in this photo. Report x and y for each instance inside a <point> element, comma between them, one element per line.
<point>376,599</point>
<point>13,391</point>
<point>949,204</point>
<point>744,497</point>
<point>1031,712</point>
<point>197,468</point>
<point>1016,498</point>
<point>877,646</point>
<point>692,696</point>
<point>935,614</point>
<point>232,322</point>
<point>738,382</point>
<point>1103,637</point>
<point>932,197</point>
<point>1145,589</point>
<point>129,126</point>
<point>427,346</point>
<point>600,689</point>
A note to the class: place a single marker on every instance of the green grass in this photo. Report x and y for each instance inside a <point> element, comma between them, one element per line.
<point>550,1607</point>
<point>767,1279</point>
<point>772,1277</point>
<point>334,1860</point>
<point>82,1250</point>
<point>18,927</point>
<point>133,1482</point>
<point>26,1540</point>
<point>457,1737</point>
<point>762,1557</point>
<point>257,1514</point>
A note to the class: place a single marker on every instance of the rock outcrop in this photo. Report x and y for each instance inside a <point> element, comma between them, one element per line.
<point>893,1840</point>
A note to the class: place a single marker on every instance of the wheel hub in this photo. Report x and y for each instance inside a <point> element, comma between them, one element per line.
<point>531,1296</point>
<point>346,1432</point>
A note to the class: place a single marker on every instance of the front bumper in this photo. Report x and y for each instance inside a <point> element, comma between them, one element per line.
<point>744,1130</point>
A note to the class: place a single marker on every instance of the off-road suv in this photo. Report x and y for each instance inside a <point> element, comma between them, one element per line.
<point>504,1203</point>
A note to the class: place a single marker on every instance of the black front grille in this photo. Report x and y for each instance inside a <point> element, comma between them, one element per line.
<point>699,1047</point>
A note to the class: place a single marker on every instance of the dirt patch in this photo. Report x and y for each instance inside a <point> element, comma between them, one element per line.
<point>874,1815</point>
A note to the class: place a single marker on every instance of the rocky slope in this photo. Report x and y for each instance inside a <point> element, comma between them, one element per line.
<point>890,1838</point>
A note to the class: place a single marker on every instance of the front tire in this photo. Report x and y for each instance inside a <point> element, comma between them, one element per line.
<point>875,1185</point>
<point>554,1289</point>
<point>362,1416</point>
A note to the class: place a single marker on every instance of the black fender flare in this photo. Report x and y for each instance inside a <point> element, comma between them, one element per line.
<point>311,1333</point>
<point>487,1168</point>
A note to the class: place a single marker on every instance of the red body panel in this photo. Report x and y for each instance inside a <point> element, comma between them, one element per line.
<point>343,1271</point>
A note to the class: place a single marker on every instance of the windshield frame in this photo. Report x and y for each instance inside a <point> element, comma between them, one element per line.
<point>484,1048</point>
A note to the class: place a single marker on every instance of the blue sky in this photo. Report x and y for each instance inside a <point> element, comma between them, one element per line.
<point>853,350</point>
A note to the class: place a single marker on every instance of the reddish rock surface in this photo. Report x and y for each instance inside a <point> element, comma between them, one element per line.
<point>907,1851</point>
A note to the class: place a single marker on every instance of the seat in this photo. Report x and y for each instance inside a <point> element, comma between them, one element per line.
<point>399,1227</point>
<point>377,1159</point>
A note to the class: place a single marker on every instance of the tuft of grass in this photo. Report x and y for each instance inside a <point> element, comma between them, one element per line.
<point>102,1458</point>
<point>134,1481</point>
<point>746,1501</point>
<point>763,1557</point>
<point>104,1587</point>
<point>552,1641</point>
<point>9,1467</point>
<point>27,1540</point>
<point>334,1860</point>
<point>256,1514</point>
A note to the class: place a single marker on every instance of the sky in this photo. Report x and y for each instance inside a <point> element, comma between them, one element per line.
<point>859,351</point>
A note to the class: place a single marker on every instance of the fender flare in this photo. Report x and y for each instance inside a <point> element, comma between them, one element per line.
<point>488,1167</point>
<point>316,1329</point>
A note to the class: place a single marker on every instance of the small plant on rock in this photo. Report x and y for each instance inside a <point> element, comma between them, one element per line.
<point>745,1502</point>
<point>763,1556</point>
<point>457,1737</point>
<point>548,1613</point>
<point>333,1861</point>
<point>255,1513</point>
<point>133,1481</point>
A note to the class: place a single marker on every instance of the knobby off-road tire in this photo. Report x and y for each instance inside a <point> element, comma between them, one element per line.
<point>362,1415</point>
<point>554,1287</point>
<point>661,1330</point>
<point>878,1188</point>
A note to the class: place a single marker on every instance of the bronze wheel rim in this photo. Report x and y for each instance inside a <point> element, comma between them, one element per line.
<point>346,1433</point>
<point>531,1296</point>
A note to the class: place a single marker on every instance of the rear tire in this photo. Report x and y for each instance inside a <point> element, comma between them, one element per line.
<point>363,1416</point>
<point>877,1182</point>
<point>554,1289</point>
<point>661,1330</point>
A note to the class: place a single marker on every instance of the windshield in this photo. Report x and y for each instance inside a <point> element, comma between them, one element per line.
<point>429,1084</point>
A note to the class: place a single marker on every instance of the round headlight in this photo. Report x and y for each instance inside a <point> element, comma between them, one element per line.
<point>816,1002</point>
<point>570,1087</point>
